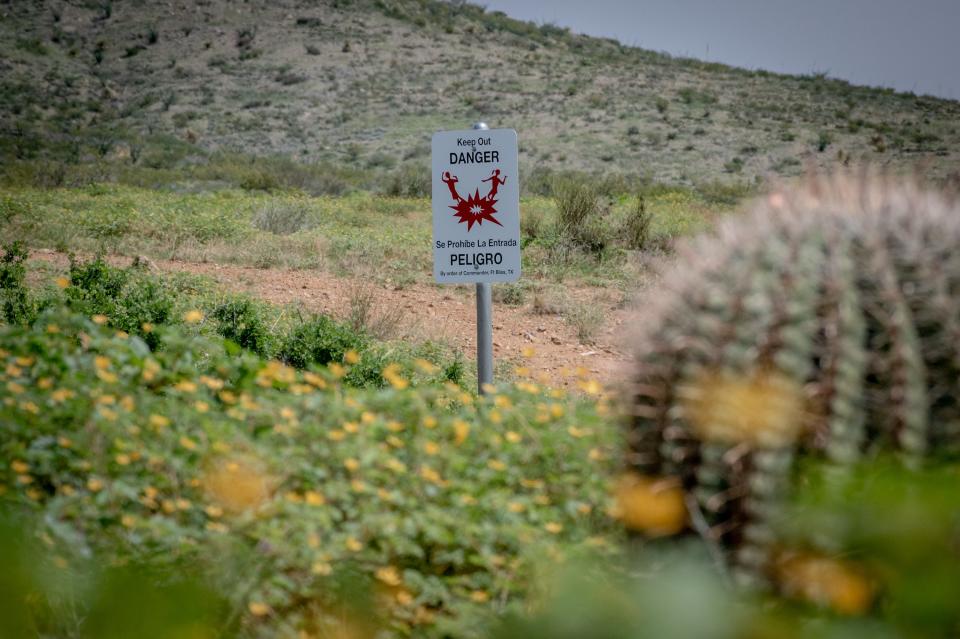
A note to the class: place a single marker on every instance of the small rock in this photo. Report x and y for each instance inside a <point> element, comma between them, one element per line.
<point>556,340</point>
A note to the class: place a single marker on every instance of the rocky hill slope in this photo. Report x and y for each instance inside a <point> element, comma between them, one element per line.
<point>366,82</point>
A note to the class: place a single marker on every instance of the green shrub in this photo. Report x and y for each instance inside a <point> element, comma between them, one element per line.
<point>579,217</point>
<point>283,218</point>
<point>320,340</point>
<point>636,226</point>
<point>241,321</point>
<point>236,466</point>
<point>15,302</point>
<point>132,301</point>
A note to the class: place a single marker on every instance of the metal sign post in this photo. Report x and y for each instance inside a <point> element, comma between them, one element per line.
<point>476,220</point>
<point>484,321</point>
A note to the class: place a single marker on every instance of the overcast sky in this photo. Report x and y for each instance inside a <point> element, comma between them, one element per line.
<point>911,45</point>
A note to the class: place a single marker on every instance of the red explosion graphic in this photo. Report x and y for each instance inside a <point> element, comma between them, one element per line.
<point>475,209</point>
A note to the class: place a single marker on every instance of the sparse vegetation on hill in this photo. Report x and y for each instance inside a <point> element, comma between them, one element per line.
<point>364,84</point>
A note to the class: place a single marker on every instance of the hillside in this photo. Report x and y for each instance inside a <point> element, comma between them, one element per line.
<point>364,84</point>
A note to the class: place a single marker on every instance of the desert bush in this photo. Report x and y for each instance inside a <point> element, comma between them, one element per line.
<point>368,315</point>
<point>126,299</point>
<point>241,320</point>
<point>319,341</point>
<point>586,320</point>
<point>408,180</point>
<point>510,293</point>
<point>432,499</point>
<point>579,216</point>
<point>15,303</point>
<point>636,226</point>
<point>282,217</point>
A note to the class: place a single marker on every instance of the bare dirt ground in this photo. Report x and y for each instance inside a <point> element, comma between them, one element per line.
<point>545,344</point>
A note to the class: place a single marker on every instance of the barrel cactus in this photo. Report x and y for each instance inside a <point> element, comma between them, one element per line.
<point>824,323</point>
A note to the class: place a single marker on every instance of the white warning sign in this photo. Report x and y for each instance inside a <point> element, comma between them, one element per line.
<point>476,206</point>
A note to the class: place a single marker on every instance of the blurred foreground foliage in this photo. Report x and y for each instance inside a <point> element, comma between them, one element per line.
<point>276,487</point>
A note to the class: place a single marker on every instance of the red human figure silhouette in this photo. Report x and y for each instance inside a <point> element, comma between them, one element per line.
<point>497,181</point>
<point>451,181</point>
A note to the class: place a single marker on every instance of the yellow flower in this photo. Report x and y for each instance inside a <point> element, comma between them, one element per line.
<point>595,454</point>
<point>158,421</point>
<point>353,544</point>
<point>185,386</point>
<point>45,383</point>
<point>188,443</point>
<point>502,401</point>
<point>762,409</point>
<point>351,427</point>
<point>578,432</point>
<point>512,437</point>
<point>182,504</point>
<point>831,583</point>
<point>146,327</point>
<point>238,483</point>
<point>392,374</point>
<point>431,475</point>
<point>461,430</point>
<point>193,316</point>
<point>24,479</point>
<point>61,395</point>
<point>20,467</point>
<point>351,357</point>
<point>429,421</point>
<point>389,575</point>
<point>128,521</point>
<point>321,568</point>
<point>367,417</point>
<point>516,507</point>
<point>468,500</point>
<point>395,465</point>
<point>216,526</point>
<point>480,596</point>
<point>336,435</point>
<point>528,351</point>
<point>122,459</point>
<point>590,386</point>
<point>337,370</point>
<point>404,598</point>
<point>100,319</point>
<point>431,448</point>
<point>394,426</point>
<point>213,511</point>
<point>654,506</point>
<point>258,609</point>
<point>15,388</point>
<point>62,282</point>
<point>351,464</point>
<point>425,366</point>
<point>357,486</point>
<point>553,527</point>
<point>496,464</point>
<point>94,485</point>
<point>314,498</point>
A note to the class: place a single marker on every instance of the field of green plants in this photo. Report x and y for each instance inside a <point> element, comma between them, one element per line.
<point>182,462</point>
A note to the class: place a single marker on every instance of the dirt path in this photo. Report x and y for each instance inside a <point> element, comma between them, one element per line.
<point>545,344</point>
